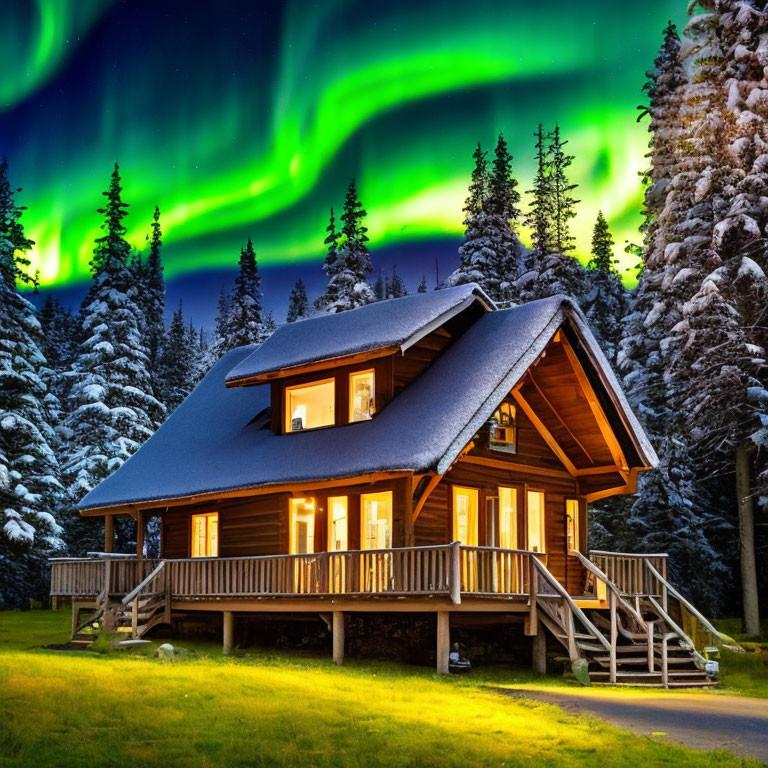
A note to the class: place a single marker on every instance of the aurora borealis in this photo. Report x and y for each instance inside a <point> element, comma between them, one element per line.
<point>246,118</point>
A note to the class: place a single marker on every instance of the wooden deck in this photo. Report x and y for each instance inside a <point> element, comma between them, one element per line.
<point>630,625</point>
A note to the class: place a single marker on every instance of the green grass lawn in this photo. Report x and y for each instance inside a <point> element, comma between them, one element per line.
<point>69,708</point>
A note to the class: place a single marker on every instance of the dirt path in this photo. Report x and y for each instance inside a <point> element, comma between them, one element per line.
<point>701,722</point>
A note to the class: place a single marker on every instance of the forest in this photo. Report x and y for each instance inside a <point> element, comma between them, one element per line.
<point>81,389</point>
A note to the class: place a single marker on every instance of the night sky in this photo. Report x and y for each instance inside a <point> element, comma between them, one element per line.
<point>248,118</point>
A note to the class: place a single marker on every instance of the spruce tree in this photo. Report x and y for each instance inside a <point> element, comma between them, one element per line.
<point>29,485</point>
<point>153,298</point>
<point>554,271</point>
<point>605,301</point>
<point>381,285</point>
<point>539,218</point>
<point>351,263</point>
<point>422,285</point>
<point>475,249</point>
<point>177,362</point>
<point>243,323</point>
<point>268,327</point>
<point>396,285</point>
<point>111,410</point>
<point>298,304</point>
<point>330,265</point>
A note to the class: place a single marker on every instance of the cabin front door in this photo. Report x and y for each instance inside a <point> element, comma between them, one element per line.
<point>376,521</point>
<point>465,530</point>
<point>302,542</point>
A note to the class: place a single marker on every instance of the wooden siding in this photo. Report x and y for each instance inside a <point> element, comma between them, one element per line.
<point>256,526</point>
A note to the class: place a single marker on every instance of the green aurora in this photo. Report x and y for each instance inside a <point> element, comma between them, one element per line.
<point>239,120</point>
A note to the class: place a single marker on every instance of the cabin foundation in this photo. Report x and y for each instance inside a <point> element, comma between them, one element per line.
<point>228,631</point>
<point>338,637</point>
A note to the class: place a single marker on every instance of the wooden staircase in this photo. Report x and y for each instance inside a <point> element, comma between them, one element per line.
<point>622,642</point>
<point>146,606</point>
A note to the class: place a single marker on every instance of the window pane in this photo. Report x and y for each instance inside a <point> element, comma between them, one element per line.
<point>377,520</point>
<point>310,406</point>
<point>536,538</point>
<point>508,518</point>
<point>302,522</point>
<point>205,535</point>
<point>465,515</point>
<point>572,512</point>
<point>362,396</point>
<point>337,523</point>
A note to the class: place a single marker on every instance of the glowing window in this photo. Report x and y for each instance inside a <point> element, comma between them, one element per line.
<point>362,395</point>
<point>376,520</point>
<point>337,523</point>
<point>465,501</point>
<point>205,535</point>
<point>508,518</point>
<point>572,520</point>
<point>503,435</point>
<point>309,406</point>
<point>536,531</point>
<point>302,526</point>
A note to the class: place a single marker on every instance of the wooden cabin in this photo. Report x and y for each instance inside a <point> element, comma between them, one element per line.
<point>427,454</point>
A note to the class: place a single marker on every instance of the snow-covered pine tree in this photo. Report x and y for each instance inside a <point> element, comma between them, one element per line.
<point>244,319</point>
<point>59,332</point>
<point>396,285</point>
<point>422,285</point>
<point>381,285</point>
<point>351,264</point>
<point>474,250</point>
<point>111,410</point>
<point>298,304</point>
<point>176,368</point>
<point>268,327</point>
<point>29,485</point>
<point>605,301</point>
<point>330,265</point>
<point>554,271</point>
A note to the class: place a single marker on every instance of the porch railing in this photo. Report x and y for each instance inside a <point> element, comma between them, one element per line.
<point>449,569</point>
<point>629,572</point>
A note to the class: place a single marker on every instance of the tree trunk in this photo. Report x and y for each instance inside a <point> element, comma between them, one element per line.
<point>747,540</point>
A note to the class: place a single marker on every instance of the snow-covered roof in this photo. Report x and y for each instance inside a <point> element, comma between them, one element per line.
<point>219,439</point>
<point>384,324</point>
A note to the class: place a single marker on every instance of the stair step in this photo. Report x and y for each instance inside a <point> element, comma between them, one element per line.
<point>627,674</point>
<point>624,660</point>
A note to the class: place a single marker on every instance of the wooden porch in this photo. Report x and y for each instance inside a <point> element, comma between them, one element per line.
<point>629,625</point>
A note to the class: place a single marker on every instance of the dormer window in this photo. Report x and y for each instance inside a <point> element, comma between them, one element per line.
<point>362,395</point>
<point>503,429</point>
<point>309,406</point>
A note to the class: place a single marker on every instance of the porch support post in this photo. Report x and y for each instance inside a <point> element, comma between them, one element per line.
<point>109,533</point>
<point>229,631</point>
<point>338,637</point>
<point>540,652</point>
<point>139,534</point>
<point>443,641</point>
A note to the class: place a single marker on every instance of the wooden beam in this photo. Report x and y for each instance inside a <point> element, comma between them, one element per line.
<point>604,470</point>
<point>560,418</point>
<point>228,625</point>
<point>109,533</point>
<point>617,490</point>
<point>539,651</point>
<point>200,498</point>
<point>544,432</point>
<point>443,641</point>
<point>338,637</point>
<point>597,410</point>
<point>318,365</point>
<point>515,466</point>
<point>431,485</point>
<point>139,534</point>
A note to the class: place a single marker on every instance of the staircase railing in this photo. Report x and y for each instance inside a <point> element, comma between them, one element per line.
<point>570,611</point>
<point>628,572</point>
<point>154,585</point>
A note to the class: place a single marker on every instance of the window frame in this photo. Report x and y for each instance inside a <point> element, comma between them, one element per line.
<point>578,502</point>
<point>518,492</point>
<point>208,516</point>
<point>476,527</point>
<point>363,496</point>
<point>505,446</point>
<point>350,396</point>
<point>329,512</point>
<point>292,504</point>
<point>543,522</point>
<point>306,385</point>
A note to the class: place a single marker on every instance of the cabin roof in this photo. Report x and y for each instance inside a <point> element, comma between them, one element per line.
<point>219,439</point>
<point>392,325</point>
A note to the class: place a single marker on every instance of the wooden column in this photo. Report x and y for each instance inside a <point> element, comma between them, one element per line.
<point>338,637</point>
<point>109,533</point>
<point>443,641</point>
<point>229,631</point>
<point>139,534</point>
<point>540,652</point>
